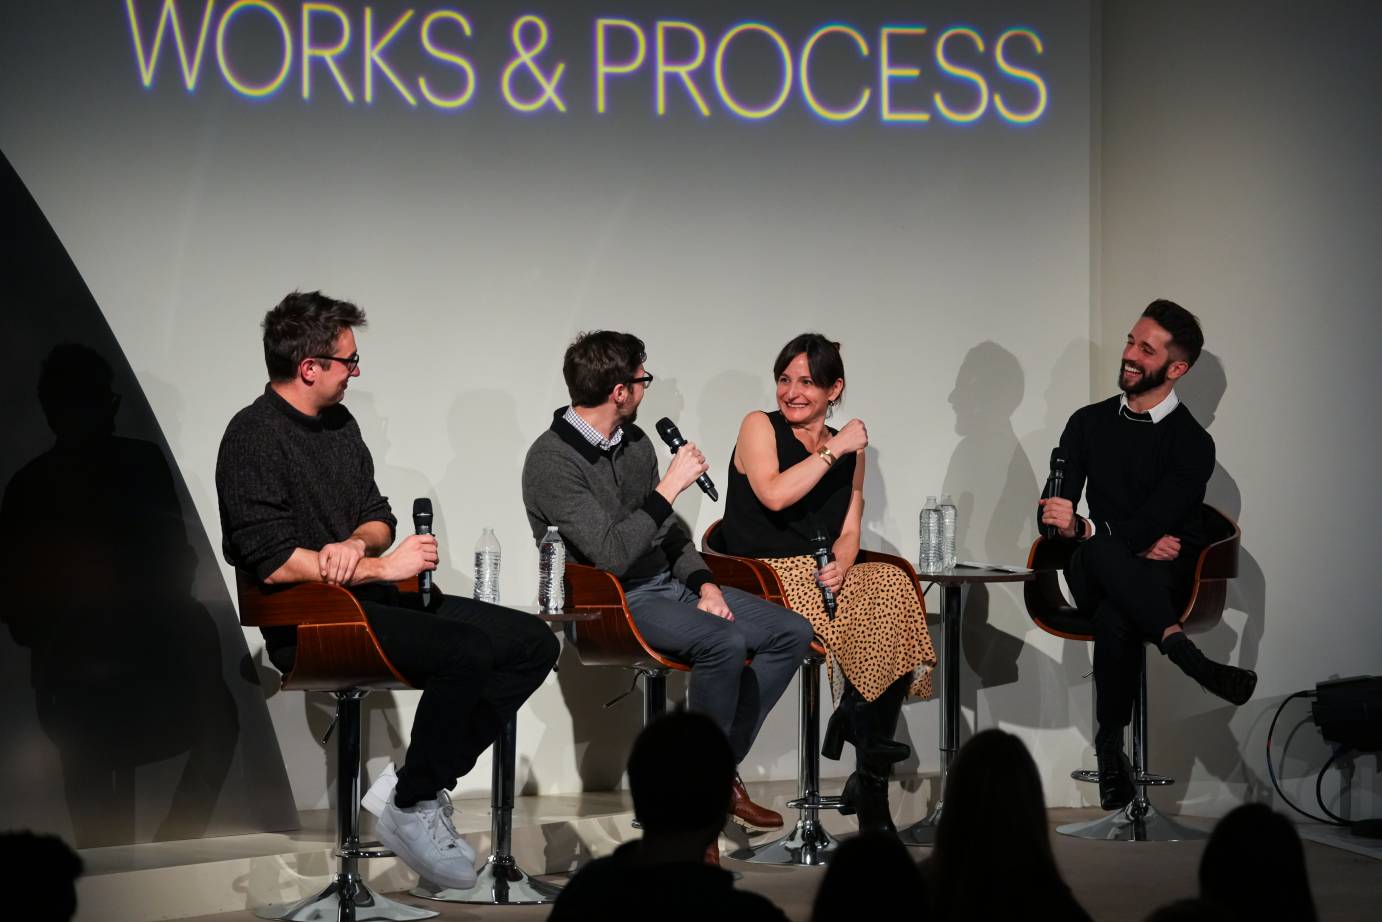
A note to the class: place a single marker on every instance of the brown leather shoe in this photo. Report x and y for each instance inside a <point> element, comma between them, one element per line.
<point>712,853</point>
<point>750,814</point>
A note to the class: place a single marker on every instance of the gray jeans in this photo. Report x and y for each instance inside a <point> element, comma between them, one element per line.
<point>737,697</point>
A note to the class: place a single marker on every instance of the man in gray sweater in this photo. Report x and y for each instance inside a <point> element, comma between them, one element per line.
<point>594,475</point>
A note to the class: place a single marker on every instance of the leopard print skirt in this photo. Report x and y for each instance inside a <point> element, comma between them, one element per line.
<point>879,630</point>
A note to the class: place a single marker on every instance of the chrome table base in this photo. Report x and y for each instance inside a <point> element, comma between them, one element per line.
<point>500,882</point>
<point>345,900</point>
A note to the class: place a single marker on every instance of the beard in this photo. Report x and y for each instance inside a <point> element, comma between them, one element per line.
<point>1145,380</point>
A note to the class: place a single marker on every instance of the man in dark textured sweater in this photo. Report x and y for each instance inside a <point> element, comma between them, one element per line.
<point>299,504</point>
<point>1146,462</point>
<point>594,475</point>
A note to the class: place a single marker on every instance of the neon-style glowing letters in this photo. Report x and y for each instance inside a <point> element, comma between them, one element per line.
<point>751,70</point>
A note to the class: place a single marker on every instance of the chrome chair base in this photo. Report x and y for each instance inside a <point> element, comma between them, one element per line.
<point>345,900</point>
<point>1139,821</point>
<point>808,845</point>
<point>498,883</point>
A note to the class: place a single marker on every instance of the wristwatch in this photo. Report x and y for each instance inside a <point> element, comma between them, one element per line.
<point>1079,527</point>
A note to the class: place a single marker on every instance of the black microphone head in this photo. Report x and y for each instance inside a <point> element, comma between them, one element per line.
<point>422,509</point>
<point>822,539</point>
<point>1058,458</point>
<point>669,432</point>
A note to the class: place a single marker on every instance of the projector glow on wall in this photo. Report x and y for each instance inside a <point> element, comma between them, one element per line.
<point>262,48</point>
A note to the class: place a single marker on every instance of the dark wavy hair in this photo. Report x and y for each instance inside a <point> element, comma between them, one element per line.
<point>304,325</point>
<point>1253,866</point>
<point>1187,339</point>
<point>993,784</point>
<point>596,362</point>
<point>822,358</point>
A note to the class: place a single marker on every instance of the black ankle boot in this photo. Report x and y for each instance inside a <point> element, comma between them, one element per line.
<point>871,721</point>
<point>1232,684</point>
<point>866,793</point>
<point>1116,789</point>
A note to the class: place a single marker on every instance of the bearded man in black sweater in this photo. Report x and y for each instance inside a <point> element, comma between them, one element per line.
<point>1145,461</point>
<point>299,504</point>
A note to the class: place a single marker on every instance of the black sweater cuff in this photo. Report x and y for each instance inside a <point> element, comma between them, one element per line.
<point>699,578</point>
<point>657,507</point>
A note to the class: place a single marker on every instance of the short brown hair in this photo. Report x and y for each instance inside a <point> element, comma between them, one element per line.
<point>596,362</point>
<point>302,326</point>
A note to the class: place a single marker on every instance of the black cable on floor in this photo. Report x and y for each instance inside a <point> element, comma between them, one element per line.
<point>1271,772</point>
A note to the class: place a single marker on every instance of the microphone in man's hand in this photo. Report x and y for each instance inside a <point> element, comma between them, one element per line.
<point>1055,483</point>
<point>422,525</point>
<point>672,436</point>
<point>824,556</point>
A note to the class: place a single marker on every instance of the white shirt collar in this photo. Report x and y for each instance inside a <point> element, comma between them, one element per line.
<point>1158,412</point>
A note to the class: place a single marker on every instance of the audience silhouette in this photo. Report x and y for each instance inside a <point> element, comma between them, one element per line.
<point>1253,867</point>
<point>993,857</point>
<point>681,772</point>
<point>867,877</point>
<point>48,889</point>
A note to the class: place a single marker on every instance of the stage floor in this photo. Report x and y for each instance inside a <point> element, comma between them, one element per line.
<point>203,879</point>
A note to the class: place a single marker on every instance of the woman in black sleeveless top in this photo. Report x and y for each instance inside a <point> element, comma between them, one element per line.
<point>796,483</point>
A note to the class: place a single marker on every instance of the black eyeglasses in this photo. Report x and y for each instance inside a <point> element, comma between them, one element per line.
<point>645,379</point>
<point>351,362</point>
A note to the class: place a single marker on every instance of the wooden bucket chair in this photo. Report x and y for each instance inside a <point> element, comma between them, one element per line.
<point>1048,607</point>
<point>337,653</point>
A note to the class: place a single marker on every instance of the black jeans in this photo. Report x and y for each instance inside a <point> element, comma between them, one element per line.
<point>1131,600</point>
<point>476,664</point>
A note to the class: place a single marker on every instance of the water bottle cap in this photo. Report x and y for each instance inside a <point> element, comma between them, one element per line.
<point>551,528</point>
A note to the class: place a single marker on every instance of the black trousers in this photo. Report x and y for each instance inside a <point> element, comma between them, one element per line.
<point>1131,600</point>
<point>476,664</point>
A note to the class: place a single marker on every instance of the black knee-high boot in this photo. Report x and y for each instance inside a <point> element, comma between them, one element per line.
<point>866,791</point>
<point>868,725</point>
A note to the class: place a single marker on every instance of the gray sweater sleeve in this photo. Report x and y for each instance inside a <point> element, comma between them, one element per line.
<point>556,491</point>
<point>687,563</point>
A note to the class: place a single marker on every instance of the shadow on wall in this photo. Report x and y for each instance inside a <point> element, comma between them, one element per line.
<point>131,708</point>
<point>1066,392</point>
<point>994,489</point>
<point>1206,738</point>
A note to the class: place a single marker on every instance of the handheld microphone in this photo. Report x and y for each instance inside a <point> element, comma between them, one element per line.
<point>672,436</point>
<point>823,557</point>
<point>1055,483</point>
<point>422,525</point>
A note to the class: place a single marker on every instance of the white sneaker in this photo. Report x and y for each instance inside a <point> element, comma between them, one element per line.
<point>380,794</point>
<point>424,839</point>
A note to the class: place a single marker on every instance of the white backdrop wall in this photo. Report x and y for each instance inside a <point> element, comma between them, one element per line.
<point>954,262</point>
<point>1240,177</point>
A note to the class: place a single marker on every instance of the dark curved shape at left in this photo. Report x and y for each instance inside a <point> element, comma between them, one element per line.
<point>131,711</point>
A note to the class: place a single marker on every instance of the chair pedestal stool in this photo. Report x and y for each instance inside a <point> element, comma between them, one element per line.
<point>1139,821</point>
<point>338,653</point>
<point>808,844</point>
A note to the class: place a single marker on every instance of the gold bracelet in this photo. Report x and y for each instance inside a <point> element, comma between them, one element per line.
<point>826,455</point>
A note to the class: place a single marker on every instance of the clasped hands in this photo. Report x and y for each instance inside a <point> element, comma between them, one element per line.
<point>1060,512</point>
<point>340,562</point>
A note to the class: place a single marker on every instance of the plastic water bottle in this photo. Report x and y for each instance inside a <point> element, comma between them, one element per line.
<point>551,572</point>
<point>487,553</point>
<point>949,515</point>
<point>929,560</point>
